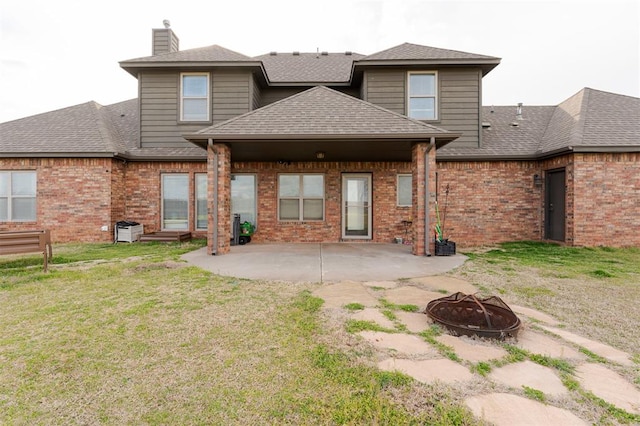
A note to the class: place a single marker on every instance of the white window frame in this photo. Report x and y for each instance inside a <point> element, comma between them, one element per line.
<point>301,197</point>
<point>162,199</point>
<point>398,179</point>
<point>436,111</point>
<point>207,97</point>
<point>10,197</point>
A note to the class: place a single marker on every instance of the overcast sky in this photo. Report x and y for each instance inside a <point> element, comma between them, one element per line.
<point>59,53</point>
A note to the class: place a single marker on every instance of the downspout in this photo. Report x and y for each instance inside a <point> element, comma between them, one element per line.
<point>427,232</point>
<point>214,250</point>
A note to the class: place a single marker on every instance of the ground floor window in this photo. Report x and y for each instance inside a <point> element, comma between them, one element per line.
<point>17,196</point>
<point>175,201</point>
<point>243,198</point>
<point>201,201</point>
<point>301,197</point>
<point>404,190</point>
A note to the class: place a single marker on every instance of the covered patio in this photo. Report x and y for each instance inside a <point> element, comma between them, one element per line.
<point>341,140</point>
<point>323,262</point>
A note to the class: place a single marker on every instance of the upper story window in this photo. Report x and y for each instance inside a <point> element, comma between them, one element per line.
<point>17,196</point>
<point>423,96</point>
<point>194,97</point>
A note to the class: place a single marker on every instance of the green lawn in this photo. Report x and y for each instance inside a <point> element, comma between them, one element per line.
<point>129,334</point>
<point>595,291</point>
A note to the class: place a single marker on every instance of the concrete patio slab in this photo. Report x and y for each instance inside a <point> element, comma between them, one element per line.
<point>429,370</point>
<point>323,262</point>
<point>503,409</point>
<point>470,350</point>
<point>344,293</point>
<point>449,284</point>
<point>414,321</point>
<point>373,314</point>
<point>381,284</point>
<point>610,386</point>
<point>605,351</point>
<point>400,342</point>
<point>529,374</point>
<point>410,295</point>
<point>540,344</point>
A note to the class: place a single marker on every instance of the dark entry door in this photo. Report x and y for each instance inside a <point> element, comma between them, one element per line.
<point>555,205</point>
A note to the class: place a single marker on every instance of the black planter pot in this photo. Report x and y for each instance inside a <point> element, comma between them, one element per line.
<point>445,248</point>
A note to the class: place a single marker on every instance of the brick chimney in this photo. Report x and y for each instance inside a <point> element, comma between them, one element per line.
<point>164,40</point>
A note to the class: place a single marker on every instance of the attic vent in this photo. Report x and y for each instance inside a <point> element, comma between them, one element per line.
<point>519,111</point>
<point>514,124</point>
<point>348,53</point>
<point>296,53</point>
<point>325,53</point>
<point>486,125</point>
<point>273,53</point>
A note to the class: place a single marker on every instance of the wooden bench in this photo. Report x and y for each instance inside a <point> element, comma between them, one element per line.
<point>16,242</point>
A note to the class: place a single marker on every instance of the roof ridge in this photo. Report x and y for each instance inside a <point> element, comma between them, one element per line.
<point>103,127</point>
<point>578,135</point>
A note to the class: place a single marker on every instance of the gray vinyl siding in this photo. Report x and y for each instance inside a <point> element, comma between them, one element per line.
<point>256,94</point>
<point>159,105</point>
<point>164,41</point>
<point>231,94</point>
<point>458,98</point>
<point>274,94</point>
<point>386,88</point>
<point>459,104</point>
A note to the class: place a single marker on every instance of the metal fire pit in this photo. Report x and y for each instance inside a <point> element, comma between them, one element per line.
<point>470,316</point>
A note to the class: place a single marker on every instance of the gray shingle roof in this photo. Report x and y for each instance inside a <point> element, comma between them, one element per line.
<point>320,112</point>
<point>309,67</point>
<point>212,53</point>
<point>409,51</point>
<point>408,54</point>
<point>88,129</point>
<point>590,120</point>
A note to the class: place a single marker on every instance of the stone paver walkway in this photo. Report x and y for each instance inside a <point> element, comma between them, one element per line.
<point>405,351</point>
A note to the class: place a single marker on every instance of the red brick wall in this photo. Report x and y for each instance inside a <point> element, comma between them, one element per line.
<point>220,172</point>
<point>490,202</point>
<point>606,199</point>
<point>386,219</point>
<point>143,196</point>
<point>73,197</point>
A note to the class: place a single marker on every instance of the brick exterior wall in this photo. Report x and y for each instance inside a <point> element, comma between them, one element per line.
<point>219,159</point>
<point>143,192</point>
<point>606,199</point>
<point>73,197</point>
<point>490,202</point>
<point>387,216</point>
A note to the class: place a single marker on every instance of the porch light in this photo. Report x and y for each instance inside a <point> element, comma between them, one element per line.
<point>537,180</point>
<point>320,155</point>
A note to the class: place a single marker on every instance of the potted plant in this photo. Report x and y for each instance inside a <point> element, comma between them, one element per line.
<point>444,247</point>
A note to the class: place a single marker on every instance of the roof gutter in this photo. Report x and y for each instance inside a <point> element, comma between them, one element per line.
<point>192,137</point>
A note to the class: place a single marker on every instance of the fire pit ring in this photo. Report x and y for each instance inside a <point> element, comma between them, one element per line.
<point>469,315</point>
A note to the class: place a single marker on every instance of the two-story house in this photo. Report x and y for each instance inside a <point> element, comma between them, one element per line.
<point>325,147</point>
